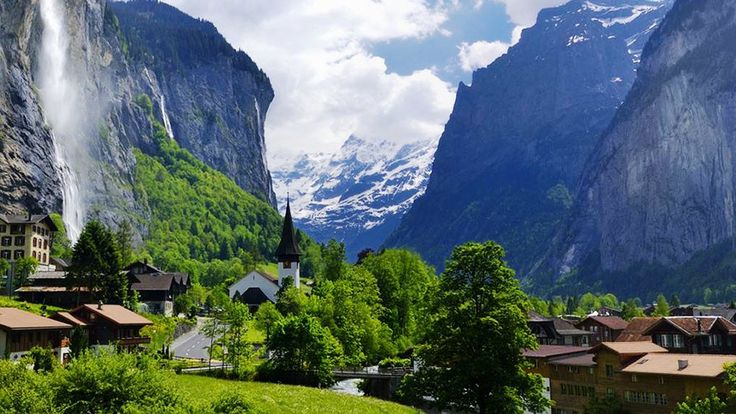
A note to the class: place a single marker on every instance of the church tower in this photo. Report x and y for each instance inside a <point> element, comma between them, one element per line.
<point>288,251</point>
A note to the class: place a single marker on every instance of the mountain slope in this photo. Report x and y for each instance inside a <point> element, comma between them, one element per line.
<point>656,205</point>
<point>357,195</point>
<point>518,137</point>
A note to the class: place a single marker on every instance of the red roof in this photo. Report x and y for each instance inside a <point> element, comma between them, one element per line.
<point>694,325</point>
<point>634,332</point>
<point>115,313</point>
<point>613,322</point>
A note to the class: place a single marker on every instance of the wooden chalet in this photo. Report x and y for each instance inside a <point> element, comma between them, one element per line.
<point>108,325</point>
<point>20,331</point>
<point>157,289</point>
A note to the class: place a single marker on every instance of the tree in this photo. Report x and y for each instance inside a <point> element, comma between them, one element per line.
<point>472,351</point>
<point>303,350</point>
<point>79,341</point>
<point>630,310</point>
<point>291,301</point>
<point>266,317</point>
<point>675,300</point>
<point>123,237</point>
<point>661,308</point>
<point>333,257</point>
<point>61,247</point>
<point>403,280</point>
<point>610,404</point>
<point>239,351</point>
<point>711,404</point>
<point>96,265</point>
<point>24,268</point>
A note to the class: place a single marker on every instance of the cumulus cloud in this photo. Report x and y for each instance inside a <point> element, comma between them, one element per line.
<point>524,12</point>
<point>479,54</point>
<point>327,83</point>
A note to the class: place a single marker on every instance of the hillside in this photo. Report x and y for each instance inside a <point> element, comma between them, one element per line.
<point>508,161</point>
<point>655,210</point>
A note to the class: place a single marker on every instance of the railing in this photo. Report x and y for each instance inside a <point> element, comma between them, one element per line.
<point>361,372</point>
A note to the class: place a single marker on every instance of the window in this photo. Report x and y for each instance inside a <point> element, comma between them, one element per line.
<point>642,397</point>
<point>44,258</point>
<point>591,371</point>
<point>3,228</point>
<point>610,392</point>
<point>35,242</point>
<point>634,378</point>
<point>45,244</point>
<point>287,265</point>
<point>609,370</point>
<point>660,380</point>
<point>35,229</point>
<point>33,253</point>
<point>677,341</point>
<point>17,228</point>
<point>18,254</point>
<point>5,254</point>
<point>714,340</point>
<point>20,240</point>
<point>664,340</point>
<point>7,241</point>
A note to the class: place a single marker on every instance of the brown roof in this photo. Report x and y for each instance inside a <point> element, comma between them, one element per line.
<point>629,348</point>
<point>613,322</point>
<point>546,351</point>
<point>585,360</point>
<point>694,325</point>
<point>634,332</point>
<point>69,318</point>
<point>158,281</point>
<point>564,327</point>
<point>24,219</point>
<point>698,365</point>
<point>536,317</point>
<point>50,289</point>
<point>116,314</point>
<point>48,275</point>
<point>12,319</point>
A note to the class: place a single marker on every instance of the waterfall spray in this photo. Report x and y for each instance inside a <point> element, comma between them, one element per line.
<point>60,100</point>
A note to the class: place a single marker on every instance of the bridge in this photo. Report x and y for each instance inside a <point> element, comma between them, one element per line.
<point>381,383</point>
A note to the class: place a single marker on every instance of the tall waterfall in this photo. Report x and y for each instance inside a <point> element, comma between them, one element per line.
<point>60,97</point>
<point>165,116</point>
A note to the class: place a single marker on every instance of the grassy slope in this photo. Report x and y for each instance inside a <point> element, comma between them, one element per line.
<point>6,302</point>
<point>276,398</point>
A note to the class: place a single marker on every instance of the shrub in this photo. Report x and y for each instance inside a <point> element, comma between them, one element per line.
<point>232,403</point>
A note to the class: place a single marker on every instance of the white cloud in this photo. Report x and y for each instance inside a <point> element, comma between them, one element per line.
<point>327,84</point>
<point>524,12</point>
<point>480,54</point>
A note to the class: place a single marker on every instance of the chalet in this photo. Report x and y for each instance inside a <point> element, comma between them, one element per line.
<point>108,325</point>
<point>258,287</point>
<point>543,359</point>
<point>557,331</point>
<point>157,289</point>
<point>693,310</point>
<point>634,331</point>
<point>50,288</point>
<point>20,331</point>
<point>604,328</point>
<point>694,334</point>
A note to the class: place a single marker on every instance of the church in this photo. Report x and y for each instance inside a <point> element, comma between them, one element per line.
<point>257,286</point>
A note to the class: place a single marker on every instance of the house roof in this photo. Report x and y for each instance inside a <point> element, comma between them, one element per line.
<point>68,317</point>
<point>158,281</point>
<point>586,360</point>
<point>149,268</point>
<point>25,219</point>
<point>116,314</point>
<point>634,332</point>
<point>545,351</point>
<point>536,317</point>
<point>47,275</point>
<point>564,327</point>
<point>612,322</point>
<point>18,320</point>
<point>698,365</point>
<point>693,325</point>
<point>50,289</point>
<point>629,348</point>
<point>288,245</point>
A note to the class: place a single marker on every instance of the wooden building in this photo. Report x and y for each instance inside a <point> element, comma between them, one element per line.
<point>50,288</point>
<point>694,334</point>
<point>557,331</point>
<point>20,331</point>
<point>603,328</point>
<point>157,289</point>
<point>108,325</point>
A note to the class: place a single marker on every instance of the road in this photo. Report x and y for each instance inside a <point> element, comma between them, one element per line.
<point>192,344</point>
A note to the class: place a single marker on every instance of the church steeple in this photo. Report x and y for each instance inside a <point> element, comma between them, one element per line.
<point>288,251</point>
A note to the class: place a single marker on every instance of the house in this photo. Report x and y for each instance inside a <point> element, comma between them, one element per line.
<point>557,331</point>
<point>26,236</point>
<point>258,287</point>
<point>694,310</point>
<point>694,334</point>
<point>543,359</point>
<point>254,289</point>
<point>108,325</point>
<point>604,328</point>
<point>50,288</point>
<point>20,331</point>
<point>157,289</point>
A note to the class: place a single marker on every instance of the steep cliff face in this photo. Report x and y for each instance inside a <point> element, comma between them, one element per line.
<point>357,195</point>
<point>28,175</point>
<point>213,97</point>
<point>77,96</point>
<point>659,187</point>
<point>518,137</point>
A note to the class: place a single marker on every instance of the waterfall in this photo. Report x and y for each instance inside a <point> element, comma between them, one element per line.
<point>60,99</point>
<point>165,116</point>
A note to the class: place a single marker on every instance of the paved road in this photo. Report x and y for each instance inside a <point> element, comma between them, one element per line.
<point>192,344</point>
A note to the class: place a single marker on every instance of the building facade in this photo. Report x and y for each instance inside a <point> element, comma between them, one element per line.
<point>603,328</point>
<point>26,236</point>
<point>20,331</point>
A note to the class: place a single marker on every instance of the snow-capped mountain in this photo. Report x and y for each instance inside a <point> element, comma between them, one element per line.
<point>357,195</point>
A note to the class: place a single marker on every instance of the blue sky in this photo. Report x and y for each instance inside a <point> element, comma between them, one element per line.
<point>377,69</point>
<point>467,23</point>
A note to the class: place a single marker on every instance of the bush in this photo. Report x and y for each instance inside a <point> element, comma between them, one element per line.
<point>232,403</point>
<point>389,363</point>
<point>44,359</point>
<point>23,391</point>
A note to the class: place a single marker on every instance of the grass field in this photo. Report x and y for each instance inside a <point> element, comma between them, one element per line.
<point>275,398</point>
<point>6,302</point>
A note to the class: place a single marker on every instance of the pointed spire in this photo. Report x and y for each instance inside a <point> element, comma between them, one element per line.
<point>288,249</point>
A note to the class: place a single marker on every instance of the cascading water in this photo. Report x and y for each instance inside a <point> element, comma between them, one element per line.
<point>59,95</point>
<point>165,116</point>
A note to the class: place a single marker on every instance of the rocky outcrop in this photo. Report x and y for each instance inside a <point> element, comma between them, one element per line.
<point>519,135</point>
<point>660,186</point>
